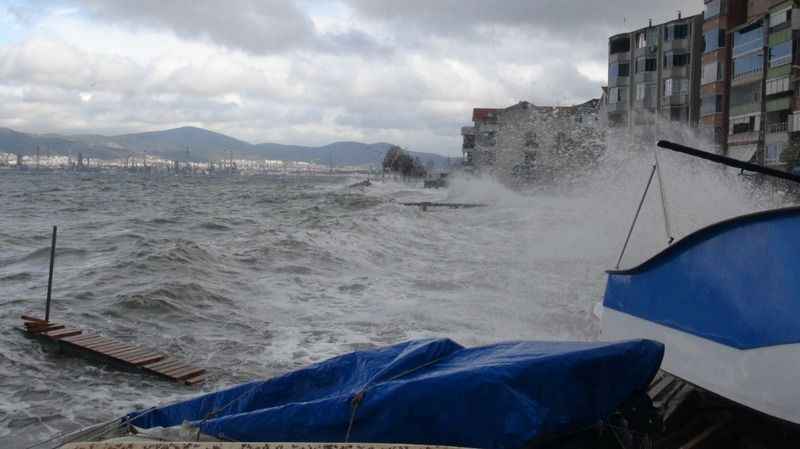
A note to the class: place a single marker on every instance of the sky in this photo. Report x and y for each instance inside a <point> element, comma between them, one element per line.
<point>305,72</point>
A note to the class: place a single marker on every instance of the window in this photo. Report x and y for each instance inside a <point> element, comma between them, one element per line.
<point>747,94</point>
<point>617,95</point>
<point>714,40</point>
<point>712,72</point>
<point>746,65</point>
<point>774,151</point>
<point>676,86</point>
<point>640,92</point>
<point>675,32</point>
<point>746,124</point>
<point>777,85</point>
<point>645,65</point>
<point>487,138</point>
<point>641,40</point>
<point>676,114</point>
<point>780,54</point>
<point>674,59</point>
<point>779,18</point>
<point>713,9</point>
<point>681,31</point>
<point>748,39</point>
<point>619,45</point>
<point>712,104</point>
<point>618,70</point>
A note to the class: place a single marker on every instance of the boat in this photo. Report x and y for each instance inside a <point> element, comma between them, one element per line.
<point>724,301</point>
<point>431,392</point>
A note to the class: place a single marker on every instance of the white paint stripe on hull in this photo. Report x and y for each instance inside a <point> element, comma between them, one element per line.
<point>765,379</point>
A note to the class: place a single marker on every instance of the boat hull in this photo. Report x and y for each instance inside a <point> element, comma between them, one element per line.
<point>724,301</point>
<point>763,379</point>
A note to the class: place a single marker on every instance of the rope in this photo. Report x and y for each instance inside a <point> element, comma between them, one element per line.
<point>667,227</point>
<point>358,398</point>
<point>636,217</point>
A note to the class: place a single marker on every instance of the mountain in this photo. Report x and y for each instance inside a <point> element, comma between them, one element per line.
<point>16,142</point>
<point>197,144</point>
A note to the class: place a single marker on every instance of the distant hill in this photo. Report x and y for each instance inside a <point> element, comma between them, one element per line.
<point>16,142</point>
<point>202,145</point>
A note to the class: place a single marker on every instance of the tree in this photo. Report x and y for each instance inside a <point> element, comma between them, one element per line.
<point>399,161</point>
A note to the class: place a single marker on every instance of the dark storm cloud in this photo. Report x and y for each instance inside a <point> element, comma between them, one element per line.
<point>255,26</point>
<point>562,18</point>
<point>260,26</point>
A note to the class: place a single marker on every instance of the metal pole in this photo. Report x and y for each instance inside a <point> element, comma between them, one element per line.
<point>667,227</point>
<point>730,162</point>
<point>50,277</point>
<point>636,217</point>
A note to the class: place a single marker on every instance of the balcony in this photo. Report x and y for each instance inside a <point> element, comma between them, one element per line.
<point>794,123</point>
<point>773,128</point>
<point>617,107</point>
<point>645,77</point>
<point>675,72</point>
<point>674,100</point>
<point>746,137</point>
<point>618,81</point>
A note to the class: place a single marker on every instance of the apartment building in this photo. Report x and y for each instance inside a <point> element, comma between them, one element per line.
<point>655,72</point>
<point>748,85</point>
<point>525,138</point>
<point>719,17</point>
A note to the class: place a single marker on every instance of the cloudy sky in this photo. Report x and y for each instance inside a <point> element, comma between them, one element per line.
<point>306,71</point>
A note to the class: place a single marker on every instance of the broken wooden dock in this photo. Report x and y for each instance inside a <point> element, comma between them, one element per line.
<point>424,205</point>
<point>73,338</point>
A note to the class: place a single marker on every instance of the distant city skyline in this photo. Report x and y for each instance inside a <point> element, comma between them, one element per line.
<point>302,72</point>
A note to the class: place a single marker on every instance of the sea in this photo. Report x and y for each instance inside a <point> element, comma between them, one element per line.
<point>254,276</point>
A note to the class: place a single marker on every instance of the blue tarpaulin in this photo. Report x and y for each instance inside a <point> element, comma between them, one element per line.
<point>429,392</point>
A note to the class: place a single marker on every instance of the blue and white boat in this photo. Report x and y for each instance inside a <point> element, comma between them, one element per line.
<point>725,301</point>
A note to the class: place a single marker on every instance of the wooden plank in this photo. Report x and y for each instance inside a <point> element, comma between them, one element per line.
<point>106,345</point>
<point>137,352</point>
<point>174,369</point>
<point>163,362</point>
<point>145,360</point>
<point>35,320</point>
<point>130,351</point>
<point>195,380</point>
<point>57,335</point>
<point>98,343</point>
<point>189,371</point>
<point>113,348</point>
<point>40,329</point>
<point>169,364</point>
<point>78,338</point>
<point>164,366</point>
<point>116,350</point>
<point>118,354</point>
<point>88,341</point>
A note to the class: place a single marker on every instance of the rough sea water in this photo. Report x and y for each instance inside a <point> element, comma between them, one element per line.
<point>255,276</point>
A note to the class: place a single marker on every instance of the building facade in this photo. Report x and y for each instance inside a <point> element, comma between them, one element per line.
<point>655,72</point>
<point>526,143</point>
<point>732,71</point>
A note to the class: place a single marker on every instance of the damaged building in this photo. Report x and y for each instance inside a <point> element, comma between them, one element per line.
<point>526,143</point>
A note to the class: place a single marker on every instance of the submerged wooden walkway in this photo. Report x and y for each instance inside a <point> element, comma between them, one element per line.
<point>426,204</point>
<point>121,353</point>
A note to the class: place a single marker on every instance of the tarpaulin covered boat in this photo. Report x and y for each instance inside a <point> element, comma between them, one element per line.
<point>433,392</point>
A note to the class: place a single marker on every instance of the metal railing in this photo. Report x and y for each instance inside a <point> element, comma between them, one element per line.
<point>781,127</point>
